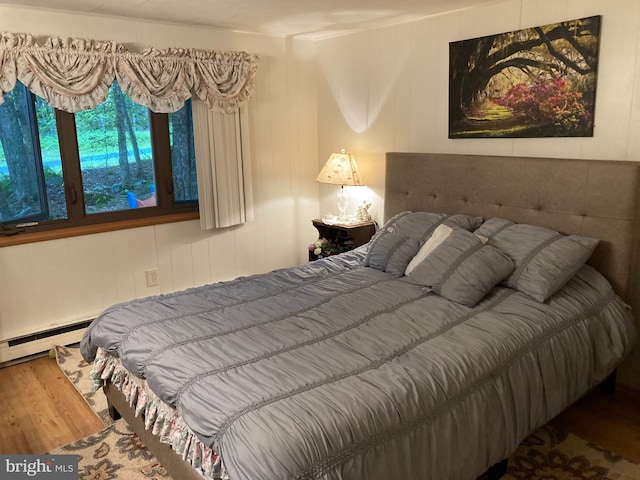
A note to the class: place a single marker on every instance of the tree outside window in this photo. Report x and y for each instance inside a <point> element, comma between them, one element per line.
<point>22,193</point>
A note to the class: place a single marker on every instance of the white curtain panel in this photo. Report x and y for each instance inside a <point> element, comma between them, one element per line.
<point>223,166</point>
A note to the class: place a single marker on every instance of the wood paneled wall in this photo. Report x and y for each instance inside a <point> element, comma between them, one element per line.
<point>387,89</point>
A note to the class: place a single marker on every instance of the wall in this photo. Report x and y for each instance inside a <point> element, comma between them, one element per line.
<point>49,284</point>
<point>387,90</point>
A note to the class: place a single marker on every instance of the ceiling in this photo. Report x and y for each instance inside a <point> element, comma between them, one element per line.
<point>313,19</point>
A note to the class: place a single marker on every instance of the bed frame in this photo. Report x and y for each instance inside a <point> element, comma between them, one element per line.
<point>584,197</point>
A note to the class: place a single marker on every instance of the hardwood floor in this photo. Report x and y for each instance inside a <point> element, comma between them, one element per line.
<point>40,410</point>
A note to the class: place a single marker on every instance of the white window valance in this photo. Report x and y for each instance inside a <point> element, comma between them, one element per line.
<point>74,74</point>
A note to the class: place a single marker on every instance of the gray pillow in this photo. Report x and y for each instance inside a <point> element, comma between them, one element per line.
<point>395,244</point>
<point>462,268</point>
<point>545,259</point>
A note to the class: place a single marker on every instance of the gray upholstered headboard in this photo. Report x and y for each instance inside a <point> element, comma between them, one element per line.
<point>583,197</point>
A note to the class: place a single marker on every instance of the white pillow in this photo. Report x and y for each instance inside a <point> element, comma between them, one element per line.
<point>439,235</point>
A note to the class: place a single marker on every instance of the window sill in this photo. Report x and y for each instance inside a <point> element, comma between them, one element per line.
<point>32,237</point>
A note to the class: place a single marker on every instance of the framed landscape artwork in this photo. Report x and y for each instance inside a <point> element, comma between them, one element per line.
<point>535,82</point>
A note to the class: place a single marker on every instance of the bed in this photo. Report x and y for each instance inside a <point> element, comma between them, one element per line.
<point>446,336</point>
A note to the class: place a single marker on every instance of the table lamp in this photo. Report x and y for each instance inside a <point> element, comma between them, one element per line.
<point>341,169</point>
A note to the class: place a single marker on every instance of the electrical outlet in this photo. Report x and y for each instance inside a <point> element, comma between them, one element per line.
<point>152,277</point>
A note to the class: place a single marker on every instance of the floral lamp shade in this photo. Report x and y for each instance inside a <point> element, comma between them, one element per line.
<point>340,169</point>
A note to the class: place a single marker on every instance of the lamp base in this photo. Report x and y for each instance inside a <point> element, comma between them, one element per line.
<point>343,203</point>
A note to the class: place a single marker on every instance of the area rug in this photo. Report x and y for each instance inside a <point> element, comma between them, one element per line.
<point>552,454</point>
<point>116,453</point>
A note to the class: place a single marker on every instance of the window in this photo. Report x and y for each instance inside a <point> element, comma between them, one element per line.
<point>23,195</point>
<point>117,161</point>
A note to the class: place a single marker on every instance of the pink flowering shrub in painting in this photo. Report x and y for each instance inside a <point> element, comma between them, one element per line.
<point>547,101</point>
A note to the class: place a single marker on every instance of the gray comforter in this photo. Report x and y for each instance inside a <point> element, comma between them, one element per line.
<point>334,370</point>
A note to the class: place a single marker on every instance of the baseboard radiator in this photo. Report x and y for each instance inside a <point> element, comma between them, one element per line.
<point>36,343</point>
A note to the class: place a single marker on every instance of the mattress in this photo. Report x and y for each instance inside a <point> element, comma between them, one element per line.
<point>335,370</point>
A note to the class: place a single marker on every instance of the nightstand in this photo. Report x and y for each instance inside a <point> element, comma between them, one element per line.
<point>357,233</point>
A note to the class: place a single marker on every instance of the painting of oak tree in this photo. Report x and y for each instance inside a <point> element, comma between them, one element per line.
<point>535,82</point>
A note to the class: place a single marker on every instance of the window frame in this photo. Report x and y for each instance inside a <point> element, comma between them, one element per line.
<point>78,222</point>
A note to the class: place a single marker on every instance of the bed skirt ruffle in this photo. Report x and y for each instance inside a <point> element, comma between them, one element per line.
<point>161,419</point>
